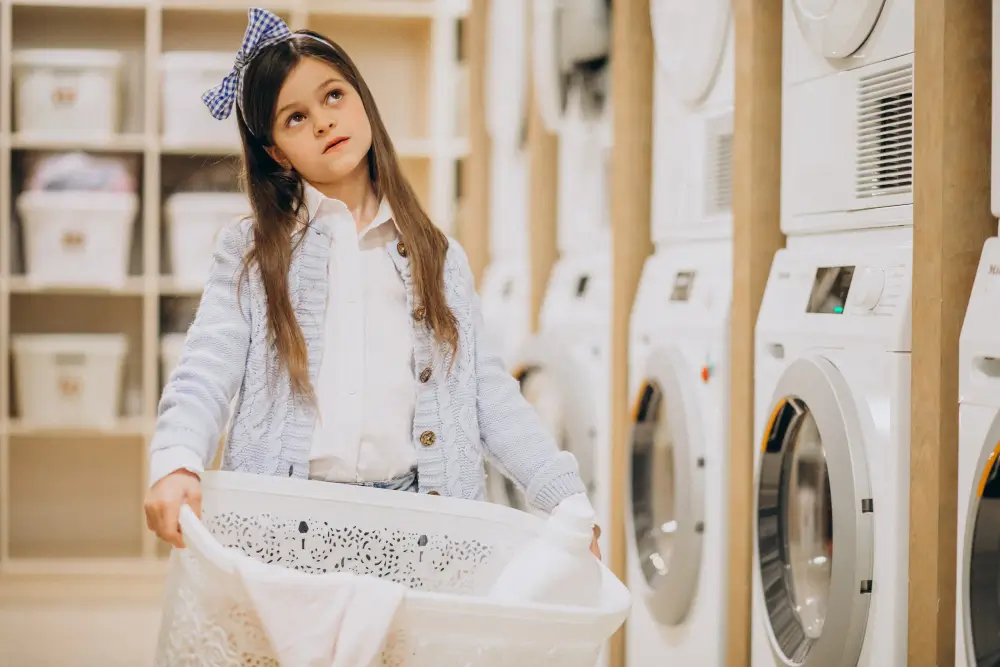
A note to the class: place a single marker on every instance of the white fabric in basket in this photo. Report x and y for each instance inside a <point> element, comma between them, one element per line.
<point>327,620</point>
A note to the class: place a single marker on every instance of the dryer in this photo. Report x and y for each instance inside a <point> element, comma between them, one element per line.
<point>847,112</point>
<point>693,128</point>
<point>977,608</point>
<point>676,515</point>
<point>832,391</point>
<point>506,300</point>
<point>572,84</point>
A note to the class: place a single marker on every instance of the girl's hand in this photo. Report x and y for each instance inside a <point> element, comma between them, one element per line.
<point>163,504</point>
<point>594,546</point>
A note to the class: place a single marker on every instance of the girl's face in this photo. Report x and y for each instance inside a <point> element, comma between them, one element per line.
<point>321,128</point>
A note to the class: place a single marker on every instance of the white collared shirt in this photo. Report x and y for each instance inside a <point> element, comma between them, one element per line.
<point>365,387</point>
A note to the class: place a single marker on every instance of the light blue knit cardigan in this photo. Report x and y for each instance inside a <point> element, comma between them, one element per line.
<point>473,409</point>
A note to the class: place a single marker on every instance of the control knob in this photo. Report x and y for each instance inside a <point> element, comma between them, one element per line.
<point>866,292</point>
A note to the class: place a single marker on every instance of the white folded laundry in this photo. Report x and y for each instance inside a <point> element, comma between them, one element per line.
<point>321,620</point>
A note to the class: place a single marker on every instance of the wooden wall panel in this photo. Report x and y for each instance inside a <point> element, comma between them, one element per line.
<point>756,237</point>
<point>631,169</point>
<point>543,195</point>
<point>473,225</point>
<point>952,99</point>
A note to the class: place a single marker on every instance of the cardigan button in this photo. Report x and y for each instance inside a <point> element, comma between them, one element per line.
<point>425,374</point>
<point>419,313</point>
<point>433,493</point>
<point>427,438</point>
<point>401,249</point>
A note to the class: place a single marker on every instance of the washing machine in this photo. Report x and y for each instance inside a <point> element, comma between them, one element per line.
<point>693,119</point>
<point>831,501</point>
<point>977,607</point>
<point>676,515</point>
<point>847,112</point>
<point>505,292</point>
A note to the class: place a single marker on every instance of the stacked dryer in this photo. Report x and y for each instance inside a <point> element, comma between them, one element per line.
<point>832,376</point>
<point>564,368</point>
<point>506,299</point>
<point>679,349</point>
<point>977,608</point>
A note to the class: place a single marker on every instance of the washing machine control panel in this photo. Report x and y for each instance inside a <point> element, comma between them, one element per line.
<point>839,293</point>
<point>686,287</point>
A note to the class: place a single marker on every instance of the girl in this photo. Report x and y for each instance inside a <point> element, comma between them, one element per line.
<point>342,319</point>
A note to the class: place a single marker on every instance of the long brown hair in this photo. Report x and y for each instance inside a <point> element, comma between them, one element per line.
<point>276,197</point>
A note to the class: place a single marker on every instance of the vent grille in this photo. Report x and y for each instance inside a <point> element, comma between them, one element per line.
<point>884,155</point>
<point>719,194</point>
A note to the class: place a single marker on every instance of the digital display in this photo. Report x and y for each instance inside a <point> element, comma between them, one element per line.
<point>682,286</point>
<point>829,290</point>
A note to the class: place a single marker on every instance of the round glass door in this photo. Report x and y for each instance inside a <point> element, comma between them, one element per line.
<point>690,38</point>
<point>571,46</point>
<point>553,383</point>
<point>666,480</point>
<point>982,553</point>
<point>812,489</point>
<point>836,28</point>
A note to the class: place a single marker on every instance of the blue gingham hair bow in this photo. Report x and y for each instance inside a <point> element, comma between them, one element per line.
<point>263,29</point>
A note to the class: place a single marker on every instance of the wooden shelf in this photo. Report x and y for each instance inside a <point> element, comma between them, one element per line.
<point>125,143</point>
<point>134,286</point>
<point>127,427</point>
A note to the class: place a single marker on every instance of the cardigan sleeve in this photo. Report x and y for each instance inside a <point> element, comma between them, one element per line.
<point>511,430</point>
<point>195,403</point>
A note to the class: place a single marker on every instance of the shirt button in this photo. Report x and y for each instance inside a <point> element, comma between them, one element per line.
<point>419,313</point>
<point>433,493</point>
<point>401,249</point>
<point>425,374</point>
<point>427,438</point>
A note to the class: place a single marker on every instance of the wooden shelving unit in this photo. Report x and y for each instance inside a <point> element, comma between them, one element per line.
<point>70,499</point>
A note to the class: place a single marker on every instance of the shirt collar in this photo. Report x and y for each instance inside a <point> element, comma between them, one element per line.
<point>316,200</point>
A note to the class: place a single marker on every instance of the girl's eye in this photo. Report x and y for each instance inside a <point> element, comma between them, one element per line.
<point>335,95</point>
<point>294,119</point>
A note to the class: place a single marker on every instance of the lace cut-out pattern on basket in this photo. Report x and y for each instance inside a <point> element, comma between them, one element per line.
<point>208,625</point>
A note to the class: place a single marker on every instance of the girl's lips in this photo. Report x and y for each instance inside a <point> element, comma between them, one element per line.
<point>334,144</point>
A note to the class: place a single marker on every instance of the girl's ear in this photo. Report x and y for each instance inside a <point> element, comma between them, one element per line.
<point>279,157</point>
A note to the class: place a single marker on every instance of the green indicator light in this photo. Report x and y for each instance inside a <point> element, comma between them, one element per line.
<point>838,309</point>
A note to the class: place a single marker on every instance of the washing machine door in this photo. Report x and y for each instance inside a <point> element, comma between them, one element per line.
<point>571,41</point>
<point>554,380</point>
<point>981,587</point>
<point>814,528</point>
<point>689,38</point>
<point>666,479</point>
<point>836,28</point>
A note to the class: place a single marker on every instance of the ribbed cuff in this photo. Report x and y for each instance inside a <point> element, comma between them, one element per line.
<point>557,489</point>
<point>162,462</point>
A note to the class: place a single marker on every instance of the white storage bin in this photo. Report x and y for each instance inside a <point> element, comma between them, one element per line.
<point>186,75</point>
<point>72,93</point>
<point>66,380</point>
<point>77,238</point>
<point>447,551</point>
<point>193,220</point>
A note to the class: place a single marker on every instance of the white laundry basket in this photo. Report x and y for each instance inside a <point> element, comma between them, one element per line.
<point>447,551</point>
<point>66,380</point>
<point>186,75</point>
<point>71,93</point>
<point>193,221</point>
<point>77,238</point>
